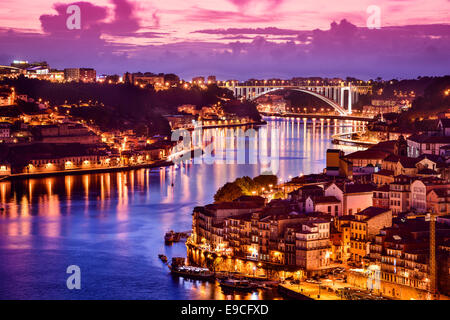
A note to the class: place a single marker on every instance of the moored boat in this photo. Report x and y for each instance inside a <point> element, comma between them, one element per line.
<point>172,236</point>
<point>179,268</point>
<point>238,285</point>
<point>162,257</point>
<point>192,272</point>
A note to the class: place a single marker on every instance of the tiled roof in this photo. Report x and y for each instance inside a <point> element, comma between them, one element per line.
<point>401,178</point>
<point>445,122</point>
<point>233,205</point>
<point>328,199</point>
<point>384,172</point>
<point>358,188</point>
<point>250,198</point>
<point>441,193</point>
<point>427,124</point>
<point>427,171</point>
<point>383,188</point>
<point>371,212</point>
<point>408,162</point>
<point>432,157</point>
<point>391,158</point>
<point>310,187</point>
<point>428,181</point>
<point>386,146</point>
<point>423,138</point>
<point>368,154</point>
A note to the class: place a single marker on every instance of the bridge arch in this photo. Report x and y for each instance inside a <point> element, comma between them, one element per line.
<point>330,102</point>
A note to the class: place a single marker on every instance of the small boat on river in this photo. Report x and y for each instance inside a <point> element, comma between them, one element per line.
<point>179,268</point>
<point>192,272</point>
<point>162,257</point>
<point>237,285</point>
<point>172,236</point>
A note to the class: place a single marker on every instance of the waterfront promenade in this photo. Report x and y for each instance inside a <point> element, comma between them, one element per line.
<point>327,290</point>
<point>42,174</point>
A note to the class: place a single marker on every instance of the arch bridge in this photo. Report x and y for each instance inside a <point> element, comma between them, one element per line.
<point>332,95</point>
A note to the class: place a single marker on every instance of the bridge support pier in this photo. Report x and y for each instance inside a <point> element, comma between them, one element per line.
<point>349,98</point>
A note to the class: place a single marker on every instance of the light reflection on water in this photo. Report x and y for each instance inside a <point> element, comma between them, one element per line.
<point>112,224</point>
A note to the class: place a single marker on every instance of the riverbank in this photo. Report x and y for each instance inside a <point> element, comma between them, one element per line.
<point>18,176</point>
<point>79,171</point>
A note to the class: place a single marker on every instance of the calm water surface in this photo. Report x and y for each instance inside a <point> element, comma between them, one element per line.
<point>112,225</point>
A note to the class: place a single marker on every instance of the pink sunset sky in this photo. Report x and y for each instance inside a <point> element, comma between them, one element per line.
<point>235,39</point>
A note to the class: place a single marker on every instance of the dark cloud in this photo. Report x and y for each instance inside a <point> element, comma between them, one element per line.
<point>91,18</point>
<point>124,20</point>
<point>237,31</point>
<point>237,37</point>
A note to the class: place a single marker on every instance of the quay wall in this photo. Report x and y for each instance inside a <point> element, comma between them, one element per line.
<point>388,289</point>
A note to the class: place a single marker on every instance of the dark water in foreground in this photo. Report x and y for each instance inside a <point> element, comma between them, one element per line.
<point>111,225</point>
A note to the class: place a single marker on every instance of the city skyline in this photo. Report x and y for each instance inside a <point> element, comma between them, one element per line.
<point>232,39</point>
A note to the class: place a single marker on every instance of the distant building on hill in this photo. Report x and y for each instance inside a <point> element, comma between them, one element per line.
<point>80,74</point>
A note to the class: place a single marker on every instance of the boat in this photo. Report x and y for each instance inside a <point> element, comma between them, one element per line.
<point>172,236</point>
<point>238,285</point>
<point>270,284</point>
<point>162,257</point>
<point>191,272</point>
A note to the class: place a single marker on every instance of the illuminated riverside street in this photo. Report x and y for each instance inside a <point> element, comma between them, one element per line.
<point>112,225</point>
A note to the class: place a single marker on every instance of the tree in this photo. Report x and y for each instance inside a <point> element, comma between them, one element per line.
<point>246,184</point>
<point>229,192</point>
<point>264,180</point>
<point>242,109</point>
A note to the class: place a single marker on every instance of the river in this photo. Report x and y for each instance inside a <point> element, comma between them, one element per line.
<point>112,225</point>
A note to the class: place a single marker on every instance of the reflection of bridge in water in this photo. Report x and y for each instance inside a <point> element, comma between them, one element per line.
<point>332,95</point>
<point>316,116</point>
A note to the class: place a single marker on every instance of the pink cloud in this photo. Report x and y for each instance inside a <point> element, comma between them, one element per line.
<point>201,15</point>
<point>269,4</point>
